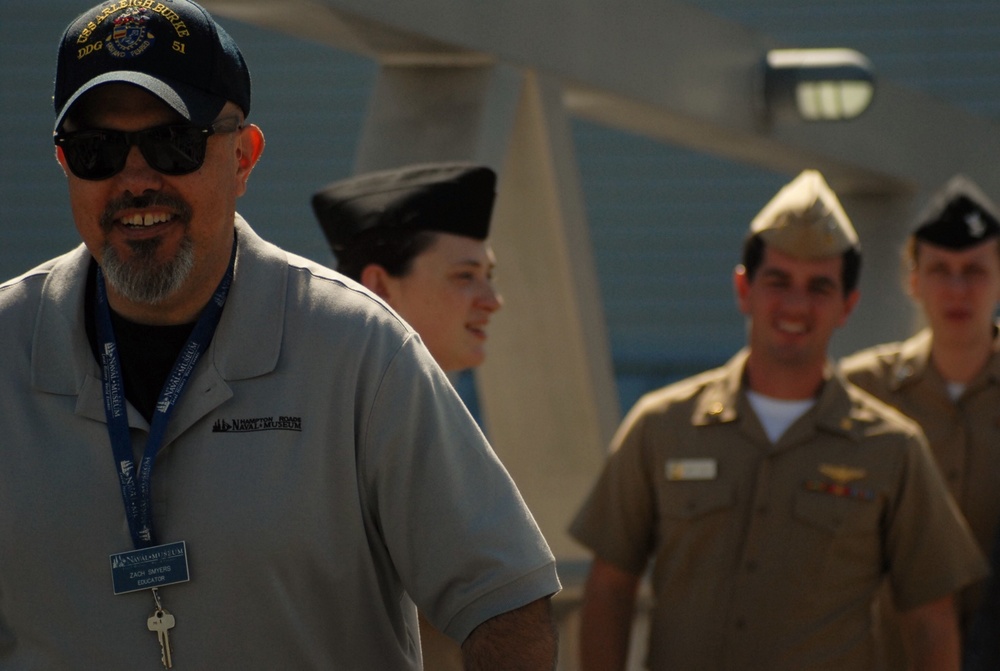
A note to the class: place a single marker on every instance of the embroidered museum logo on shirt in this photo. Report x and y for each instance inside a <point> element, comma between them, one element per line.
<point>281,423</point>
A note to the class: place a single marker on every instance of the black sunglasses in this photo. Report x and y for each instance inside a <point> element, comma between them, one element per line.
<point>178,149</point>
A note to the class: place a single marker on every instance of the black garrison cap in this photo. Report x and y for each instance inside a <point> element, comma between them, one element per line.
<point>958,216</point>
<point>443,197</point>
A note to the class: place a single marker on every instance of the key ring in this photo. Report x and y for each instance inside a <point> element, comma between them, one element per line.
<point>156,598</point>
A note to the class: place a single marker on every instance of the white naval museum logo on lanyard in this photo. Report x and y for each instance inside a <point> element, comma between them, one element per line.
<point>149,566</point>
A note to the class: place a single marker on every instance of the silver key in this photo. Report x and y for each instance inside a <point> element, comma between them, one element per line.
<point>162,622</point>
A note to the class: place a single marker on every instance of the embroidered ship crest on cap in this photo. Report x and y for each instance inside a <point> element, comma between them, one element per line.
<point>129,36</point>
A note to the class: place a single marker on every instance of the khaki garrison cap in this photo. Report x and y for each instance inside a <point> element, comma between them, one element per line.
<point>805,220</point>
<point>958,216</point>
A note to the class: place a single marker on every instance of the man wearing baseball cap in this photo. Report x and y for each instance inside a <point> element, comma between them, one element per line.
<point>771,497</point>
<point>947,376</point>
<point>218,454</point>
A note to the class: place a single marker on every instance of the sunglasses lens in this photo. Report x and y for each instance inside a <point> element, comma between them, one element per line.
<point>174,150</point>
<point>95,154</point>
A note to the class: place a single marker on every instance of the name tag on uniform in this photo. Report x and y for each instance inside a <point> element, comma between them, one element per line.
<point>692,469</point>
<point>157,566</point>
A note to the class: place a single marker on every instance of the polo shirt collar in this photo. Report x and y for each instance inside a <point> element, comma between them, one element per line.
<point>246,344</point>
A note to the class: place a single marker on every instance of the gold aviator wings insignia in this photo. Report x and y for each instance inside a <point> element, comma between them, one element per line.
<point>842,474</point>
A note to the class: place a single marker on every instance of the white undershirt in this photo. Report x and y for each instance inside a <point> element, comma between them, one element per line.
<point>955,389</point>
<point>776,414</point>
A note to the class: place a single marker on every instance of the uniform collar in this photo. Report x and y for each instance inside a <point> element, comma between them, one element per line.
<point>724,400</point>
<point>993,365</point>
<point>720,402</point>
<point>913,361</point>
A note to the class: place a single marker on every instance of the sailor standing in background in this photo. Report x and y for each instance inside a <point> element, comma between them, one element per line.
<point>947,376</point>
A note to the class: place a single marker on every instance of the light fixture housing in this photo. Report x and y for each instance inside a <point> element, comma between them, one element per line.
<point>817,84</point>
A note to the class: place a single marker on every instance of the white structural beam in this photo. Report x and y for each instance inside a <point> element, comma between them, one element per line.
<point>439,112</point>
<point>548,383</point>
<point>547,390</point>
<point>663,68</point>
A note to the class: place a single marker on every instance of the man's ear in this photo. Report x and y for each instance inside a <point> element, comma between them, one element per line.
<point>911,283</point>
<point>61,159</point>
<point>377,280</point>
<point>249,147</point>
<point>741,288</point>
<point>850,302</point>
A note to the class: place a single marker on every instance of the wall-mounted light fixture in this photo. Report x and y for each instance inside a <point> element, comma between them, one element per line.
<point>817,84</point>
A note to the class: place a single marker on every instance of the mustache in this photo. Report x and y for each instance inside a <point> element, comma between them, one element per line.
<point>128,201</point>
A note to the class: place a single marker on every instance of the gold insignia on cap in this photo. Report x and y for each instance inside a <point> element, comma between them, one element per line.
<point>959,215</point>
<point>716,408</point>
<point>806,220</point>
<point>975,224</point>
<point>842,474</point>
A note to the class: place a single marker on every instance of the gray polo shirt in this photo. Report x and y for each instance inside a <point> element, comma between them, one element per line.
<point>319,466</point>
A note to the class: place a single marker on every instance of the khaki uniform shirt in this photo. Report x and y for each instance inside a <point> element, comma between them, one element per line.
<point>964,435</point>
<point>768,556</point>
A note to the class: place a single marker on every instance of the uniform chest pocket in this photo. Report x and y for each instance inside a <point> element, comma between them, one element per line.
<point>690,501</point>
<point>837,515</point>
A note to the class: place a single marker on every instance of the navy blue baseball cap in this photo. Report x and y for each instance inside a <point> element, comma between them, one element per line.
<point>172,48</point>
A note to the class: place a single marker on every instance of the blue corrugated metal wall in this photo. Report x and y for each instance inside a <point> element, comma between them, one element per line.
<point>949,49</point>
<point>667,222</point>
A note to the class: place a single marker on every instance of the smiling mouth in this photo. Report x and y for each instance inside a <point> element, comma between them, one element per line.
<point>144,212</point>
<point>478,331</point>
<point>145,220</point>
<point>793,328</point>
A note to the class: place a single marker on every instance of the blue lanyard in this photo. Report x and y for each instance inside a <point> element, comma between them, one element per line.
<point>137,487</point>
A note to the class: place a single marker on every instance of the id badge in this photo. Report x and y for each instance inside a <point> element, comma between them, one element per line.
<point>157,566</point>
<point>692,469</point>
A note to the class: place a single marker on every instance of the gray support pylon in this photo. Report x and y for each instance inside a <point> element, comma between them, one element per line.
<point>547,389</point>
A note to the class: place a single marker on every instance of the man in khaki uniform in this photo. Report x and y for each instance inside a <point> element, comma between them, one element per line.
<point>947,376</point>
<point>772,497</point>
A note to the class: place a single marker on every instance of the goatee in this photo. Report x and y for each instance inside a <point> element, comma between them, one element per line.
<point>143,278</point>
